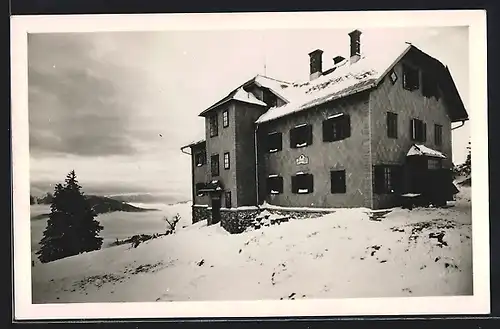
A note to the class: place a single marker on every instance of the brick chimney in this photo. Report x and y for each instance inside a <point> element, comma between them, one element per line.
<point>315,64</point>
<point>355,46</point>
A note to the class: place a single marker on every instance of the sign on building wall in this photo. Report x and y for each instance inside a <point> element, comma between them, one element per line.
<point>302,160</point>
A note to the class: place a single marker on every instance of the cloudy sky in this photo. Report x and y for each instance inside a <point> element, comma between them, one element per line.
<point>117,106</point>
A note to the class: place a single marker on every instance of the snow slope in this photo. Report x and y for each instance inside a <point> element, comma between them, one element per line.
<point>348,253</point>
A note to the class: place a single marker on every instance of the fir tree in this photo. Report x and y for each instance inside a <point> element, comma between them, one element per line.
<point>71,227</point>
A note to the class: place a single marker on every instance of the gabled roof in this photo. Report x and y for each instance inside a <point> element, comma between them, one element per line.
<point>239,94</point>
<point>347,79</point>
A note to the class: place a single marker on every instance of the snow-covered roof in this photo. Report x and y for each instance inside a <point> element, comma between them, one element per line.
<point>243,96</point>
<point>345,80</point>
<point>417,149</point>
<point>193,143</point>
<point>238,94</point>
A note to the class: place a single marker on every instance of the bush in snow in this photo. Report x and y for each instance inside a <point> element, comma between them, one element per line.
<point>464,169</point>
<point>171,223</point>
<point>71,227</point>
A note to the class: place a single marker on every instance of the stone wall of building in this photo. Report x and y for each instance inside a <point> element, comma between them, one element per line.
<point>237,221</point>
<point>200,213</point>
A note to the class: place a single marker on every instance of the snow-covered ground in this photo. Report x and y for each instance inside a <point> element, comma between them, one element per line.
<point>118,225</point>
<point>348,253</point>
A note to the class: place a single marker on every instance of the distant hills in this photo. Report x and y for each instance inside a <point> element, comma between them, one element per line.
<point>100,204</point>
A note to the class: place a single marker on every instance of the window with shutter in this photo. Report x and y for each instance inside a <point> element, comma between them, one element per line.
<point>438,135</point>
<point>337,127</point>
<point>387,179</point>
<point>214,125</point>
<point>200,159</point>
<point>214,163</point>
<point>337,181</point>
<point>274,142</point>
<point>275,185</point>
<point>392,125</point>
<point>411,79</point>
<point>302,183</point>
<point>301,136</point>
<point>418,130</point>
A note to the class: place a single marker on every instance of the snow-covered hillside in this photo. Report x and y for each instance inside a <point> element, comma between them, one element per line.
<point>348,253</point>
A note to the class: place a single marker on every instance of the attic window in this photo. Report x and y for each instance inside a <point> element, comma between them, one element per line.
<point>393,76</point>
<point>411,80</point>
<point>301,136</point>
<point>429,85</point>
<point>336,127</point>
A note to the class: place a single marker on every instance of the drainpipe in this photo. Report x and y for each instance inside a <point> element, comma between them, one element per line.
<point>463,123</point>
<point>256,165</point>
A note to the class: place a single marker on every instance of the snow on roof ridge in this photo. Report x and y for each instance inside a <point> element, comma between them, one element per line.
<point>245,96</point>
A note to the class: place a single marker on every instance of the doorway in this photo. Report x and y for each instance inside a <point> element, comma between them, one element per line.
<point>216,204</point>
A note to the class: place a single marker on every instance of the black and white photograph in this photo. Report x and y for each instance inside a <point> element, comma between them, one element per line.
<point>303,163</point>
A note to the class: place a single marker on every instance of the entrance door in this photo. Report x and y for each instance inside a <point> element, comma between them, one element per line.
<point>216,204</point>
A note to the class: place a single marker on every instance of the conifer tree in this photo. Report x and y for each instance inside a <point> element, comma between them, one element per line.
<point>71,227</point>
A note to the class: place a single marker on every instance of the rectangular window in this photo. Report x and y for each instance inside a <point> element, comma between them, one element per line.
<point>392,125</point>
<point>302,183</point>
<point>429,85</point>
<point>433,164</point>
<point>388,179</point>
<point>418,130</point>
<point>336,127</point>
<point>301,136</point>
<point>275,184</point>
<point>227,199</point>
<point>337,181</point>
<point>274,142</point>
<point>214,163</point>
<point>214,125</point>
<point>200,159</point>
<point>411,80</point>
<point>226,160</point>
<point>225,118</point>
<point>198,187</point>
<point>438,135</point>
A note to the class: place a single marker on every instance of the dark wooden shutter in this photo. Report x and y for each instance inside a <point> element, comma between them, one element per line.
<point>309,136</point>
<point>424,132</point>
<point>310,182</point>
<point>278,141</point>
<point>280,184</point>
<point>412,133</point>
<point>346,126</point>
<point>294,184</point>
<point>378,179</point>
<point>327,131</point>
<point>293,134</point>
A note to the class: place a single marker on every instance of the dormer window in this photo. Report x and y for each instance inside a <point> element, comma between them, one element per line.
<point>411,79</point>
<point>301,136</point>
